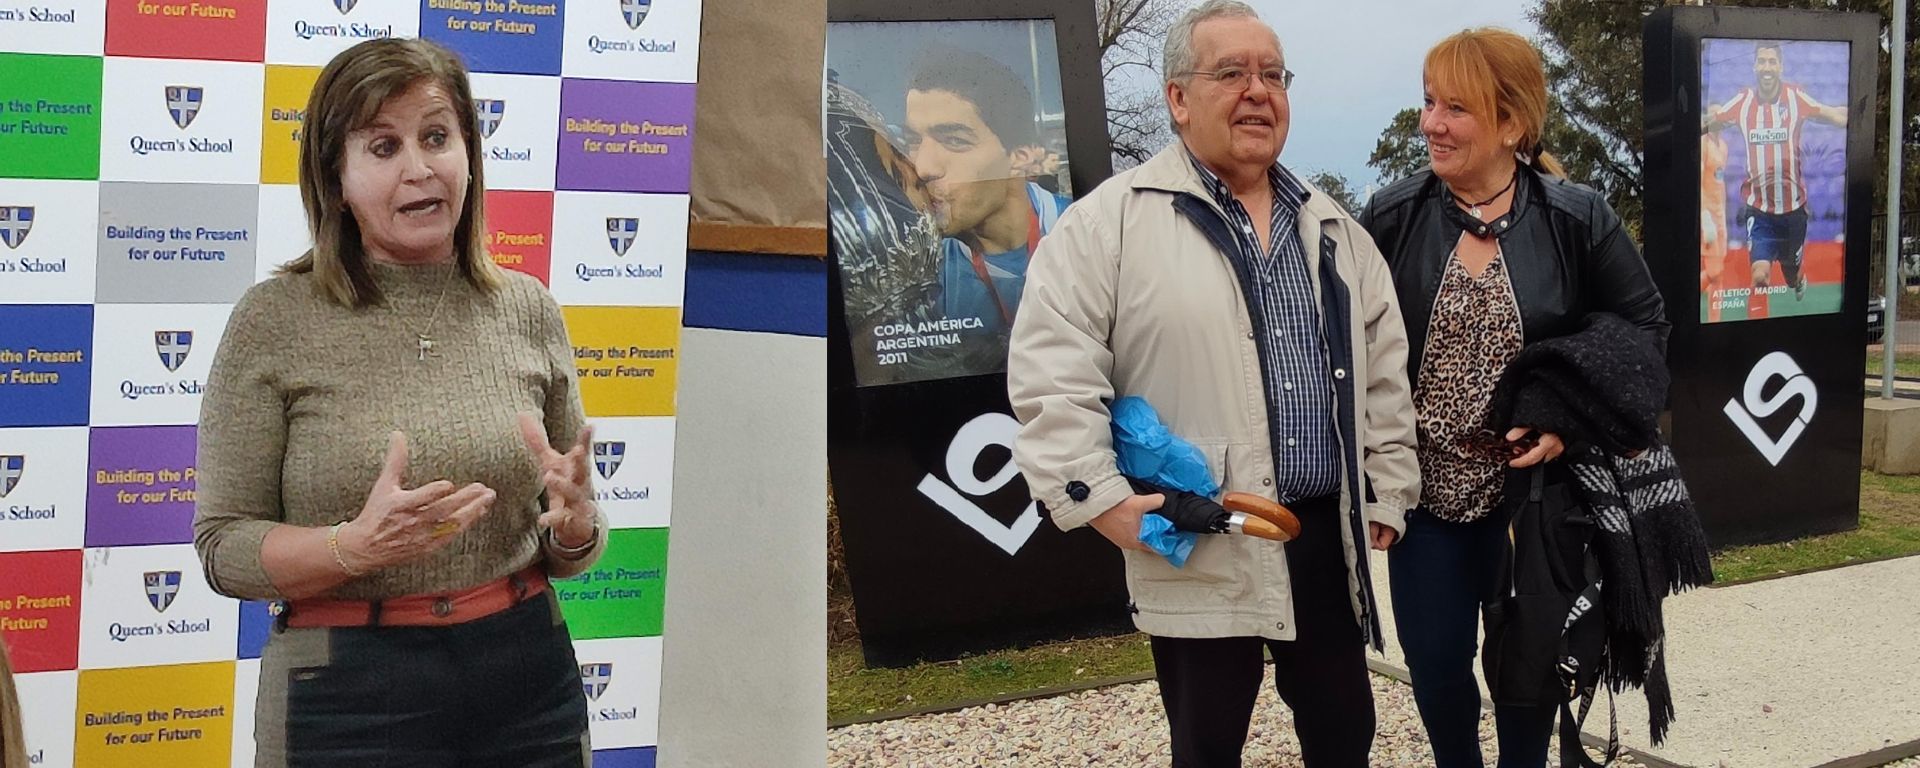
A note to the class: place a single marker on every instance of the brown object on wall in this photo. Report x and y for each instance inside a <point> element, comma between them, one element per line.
<point>759,167</point>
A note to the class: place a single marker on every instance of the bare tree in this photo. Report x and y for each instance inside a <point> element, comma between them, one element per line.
<point>1131,34</point>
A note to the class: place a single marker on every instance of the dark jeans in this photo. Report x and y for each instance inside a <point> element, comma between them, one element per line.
<point>1208,684</point>
<point>1440,572</point>
<point>501,690</point>
<point>1778,237</point>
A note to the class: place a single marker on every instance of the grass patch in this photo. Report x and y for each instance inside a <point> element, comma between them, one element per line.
<point>853,690</point>
<point>1889,526</point>
<point>1904,364</point>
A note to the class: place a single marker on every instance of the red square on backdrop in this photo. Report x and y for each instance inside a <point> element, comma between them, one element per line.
<point>520,231</point>
<point>40,609</point>
<point>225,30</point>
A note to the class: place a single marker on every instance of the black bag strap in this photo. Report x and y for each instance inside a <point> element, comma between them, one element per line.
<point>1572,754</point>
<point>1584,609</point>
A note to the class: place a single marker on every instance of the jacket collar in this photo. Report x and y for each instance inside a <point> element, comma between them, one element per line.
<point>1171,170</point>
<point>1530,186</point>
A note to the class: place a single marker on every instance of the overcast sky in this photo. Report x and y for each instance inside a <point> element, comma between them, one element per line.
<point>1357,62</point>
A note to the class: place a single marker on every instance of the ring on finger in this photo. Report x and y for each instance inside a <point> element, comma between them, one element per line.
<point>445,528</point>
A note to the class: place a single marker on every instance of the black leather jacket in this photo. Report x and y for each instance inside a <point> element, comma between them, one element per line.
<point>1566,254</point>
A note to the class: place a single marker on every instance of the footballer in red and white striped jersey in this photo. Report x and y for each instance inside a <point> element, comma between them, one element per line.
<point>1772,132</point>
<point>1769,117</point>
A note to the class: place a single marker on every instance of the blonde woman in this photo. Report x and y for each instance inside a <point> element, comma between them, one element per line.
<point>376,451</point>
<point>1491,249</point>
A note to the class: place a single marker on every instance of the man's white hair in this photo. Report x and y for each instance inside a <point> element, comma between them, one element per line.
<point>1176,56</point>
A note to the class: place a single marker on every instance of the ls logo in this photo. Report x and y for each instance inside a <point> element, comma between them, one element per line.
<point>971,441</point>
<point>1753,406</point>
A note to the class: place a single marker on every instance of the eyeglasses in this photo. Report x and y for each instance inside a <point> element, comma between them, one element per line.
<point>1238,79</point>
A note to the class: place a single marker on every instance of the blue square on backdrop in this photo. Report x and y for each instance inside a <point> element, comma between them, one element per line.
<point>637,757</point>
<point>255,623</point>
<point>491,38</point>
<point>46,365</point>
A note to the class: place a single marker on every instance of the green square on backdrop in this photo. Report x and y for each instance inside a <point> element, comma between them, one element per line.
<point>624,594</point>
<point>49,116</point>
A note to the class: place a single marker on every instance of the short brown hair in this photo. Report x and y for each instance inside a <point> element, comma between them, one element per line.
<point>1498,76</point>
<point>346,98</point>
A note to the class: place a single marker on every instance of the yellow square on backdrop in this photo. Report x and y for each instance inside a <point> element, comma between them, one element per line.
<point>171,715</point>
<point>627,358</point>
<point>282,114</point>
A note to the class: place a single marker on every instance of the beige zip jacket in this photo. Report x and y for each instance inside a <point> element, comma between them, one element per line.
<point>1132,294</point>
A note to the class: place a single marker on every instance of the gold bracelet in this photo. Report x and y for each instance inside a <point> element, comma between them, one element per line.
<point>333,545</point>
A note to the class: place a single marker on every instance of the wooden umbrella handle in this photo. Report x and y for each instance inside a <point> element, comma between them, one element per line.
<point>1282,519</point>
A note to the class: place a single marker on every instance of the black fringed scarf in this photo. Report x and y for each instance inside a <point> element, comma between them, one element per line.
<point>1601,390</point>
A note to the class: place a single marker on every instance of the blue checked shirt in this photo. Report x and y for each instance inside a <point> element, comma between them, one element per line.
<point>1293,352</point>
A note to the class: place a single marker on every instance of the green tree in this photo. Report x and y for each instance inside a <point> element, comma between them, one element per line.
<point>1337,187</point>
<point>1401,150</point>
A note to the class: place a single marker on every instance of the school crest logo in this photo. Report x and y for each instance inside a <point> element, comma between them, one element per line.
<point>607,457</point>
<point>345,6</point>
<point>635,11</point>
<point>490,112</point>
<point>162,588</point>
<point>183,103</point>
<point>11,467</point>
<point>620,234</point>
<point>594,679</point>
<point>15,222</point>
<point>173,347</point>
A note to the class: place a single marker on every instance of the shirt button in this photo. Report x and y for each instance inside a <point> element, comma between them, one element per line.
<point>1267,481</point>
<point>1289,386</point>
<point>1280,625</point>
<point>442,607</point>
<point>1278,334</point>
<point>1249,334</point>
<point>1290,442</point>
<point>1339,373</point>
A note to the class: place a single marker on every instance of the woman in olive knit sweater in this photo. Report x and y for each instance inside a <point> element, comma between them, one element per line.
<point>392,448</point>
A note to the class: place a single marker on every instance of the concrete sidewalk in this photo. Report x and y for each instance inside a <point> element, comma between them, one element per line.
<point>1791,672</point>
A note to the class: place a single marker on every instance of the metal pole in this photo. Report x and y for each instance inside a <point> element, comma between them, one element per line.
<point>1896,144</point>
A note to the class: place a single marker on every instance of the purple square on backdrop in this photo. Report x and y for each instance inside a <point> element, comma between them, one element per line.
<point>140,486</point>
<point>625,137</point>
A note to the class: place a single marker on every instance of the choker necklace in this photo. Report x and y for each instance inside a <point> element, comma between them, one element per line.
<point>1473,209</point>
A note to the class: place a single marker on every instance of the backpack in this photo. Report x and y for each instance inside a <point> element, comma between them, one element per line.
<point>1546,637</point>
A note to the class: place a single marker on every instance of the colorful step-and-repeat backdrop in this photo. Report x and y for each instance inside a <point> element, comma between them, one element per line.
<point>147,178</point>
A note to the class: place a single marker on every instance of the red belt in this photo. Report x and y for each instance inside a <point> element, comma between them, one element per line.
<point>432,610</point>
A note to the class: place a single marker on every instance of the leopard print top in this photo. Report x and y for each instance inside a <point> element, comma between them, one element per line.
<point>1473,333</point>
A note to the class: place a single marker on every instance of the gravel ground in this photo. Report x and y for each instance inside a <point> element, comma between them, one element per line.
<point>1116,726</point>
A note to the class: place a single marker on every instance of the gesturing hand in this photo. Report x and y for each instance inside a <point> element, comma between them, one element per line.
<point>569,483</point>
<point>398,525</point>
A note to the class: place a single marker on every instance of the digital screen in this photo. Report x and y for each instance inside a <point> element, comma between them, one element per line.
<point>1773,165</point>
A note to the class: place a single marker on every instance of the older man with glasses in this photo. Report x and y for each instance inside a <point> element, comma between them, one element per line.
<point>1259,319</point>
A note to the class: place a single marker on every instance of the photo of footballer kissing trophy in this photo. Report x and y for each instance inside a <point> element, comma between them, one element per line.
<point>886,241</point>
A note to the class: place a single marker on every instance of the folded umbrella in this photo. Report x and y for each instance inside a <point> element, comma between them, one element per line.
<point>1155,460</point>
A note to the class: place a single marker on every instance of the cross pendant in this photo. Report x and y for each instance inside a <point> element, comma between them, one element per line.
<point>426,346</point>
